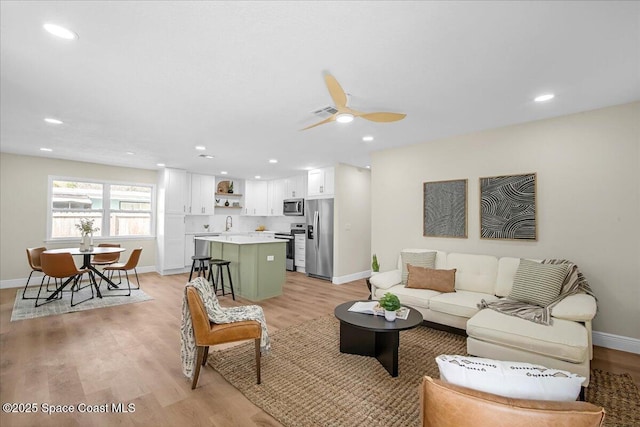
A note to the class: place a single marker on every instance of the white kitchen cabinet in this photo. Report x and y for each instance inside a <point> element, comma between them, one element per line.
<point>172,189</point>
<point>321,183</point>
<point>256,194</point>
<point>276,190</point>
<point>296,187</point>
<point>299,252</point>
<point>171,243</point>
<point>202,194</point>
<point>189,249</point>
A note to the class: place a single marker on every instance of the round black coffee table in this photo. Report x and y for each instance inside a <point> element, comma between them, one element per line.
<point>369,335</point>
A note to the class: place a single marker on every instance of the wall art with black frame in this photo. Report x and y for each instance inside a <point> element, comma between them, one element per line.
<point>445,208</point>
<point>508,207</point>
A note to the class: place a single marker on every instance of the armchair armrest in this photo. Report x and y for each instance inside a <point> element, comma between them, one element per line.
<point>578,307</point>
<point>386,280</point>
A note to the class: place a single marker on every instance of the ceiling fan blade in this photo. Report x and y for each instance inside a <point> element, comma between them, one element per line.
<point>327,120</point>
<point>382,117</point>
<point>336,92</point>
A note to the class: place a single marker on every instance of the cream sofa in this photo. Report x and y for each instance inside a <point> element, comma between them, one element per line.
<point>566,344</point>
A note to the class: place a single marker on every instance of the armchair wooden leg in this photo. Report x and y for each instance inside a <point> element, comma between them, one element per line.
<point>206,354</point>
<point>258,359</point>
<point>199,359</point>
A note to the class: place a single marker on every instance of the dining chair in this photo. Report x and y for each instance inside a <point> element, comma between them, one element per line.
<point>61,266</point>
<point>131,264</point>
<point>33,257</point>
<point>106,259</point>
<point>207,333</point>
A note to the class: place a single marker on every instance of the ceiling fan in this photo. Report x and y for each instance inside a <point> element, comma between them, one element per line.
<point>346,114</point>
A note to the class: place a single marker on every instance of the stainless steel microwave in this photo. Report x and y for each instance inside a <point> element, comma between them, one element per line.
<point>293,207</point>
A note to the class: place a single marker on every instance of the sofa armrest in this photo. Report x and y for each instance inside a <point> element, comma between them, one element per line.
<point>578,307</point>
<point>386,280</point>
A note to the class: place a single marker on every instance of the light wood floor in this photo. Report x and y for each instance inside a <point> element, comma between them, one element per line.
<point>131,354</point>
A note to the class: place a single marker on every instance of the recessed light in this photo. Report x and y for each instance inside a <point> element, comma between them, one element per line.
<point>131,153</point>
<point>368,167</point>
<point>257,177</point>
<point>273,160</point>
<point>53,121</point>
<point>545,97</point>
<point>201,147</point>
<point>344,118</point>
<point>223,172</point>
<point>61,32</point>
<point>367,138</point>
<point>46,149</point>
<point>160,164</point>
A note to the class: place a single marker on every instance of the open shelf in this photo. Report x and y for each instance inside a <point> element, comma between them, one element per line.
<point>228,207</point>
<point>228,195</point>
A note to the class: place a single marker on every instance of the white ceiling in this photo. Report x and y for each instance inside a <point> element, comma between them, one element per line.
<point>241,78</point>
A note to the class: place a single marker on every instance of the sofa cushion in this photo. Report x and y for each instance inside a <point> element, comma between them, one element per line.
<point>578,307</point>
<point>475,273</point>
<point>459,303</point>
<point>429,278</point>
<point>409,296</point>
<point>564,339</point>
<point>537,283</point>
<point>510,379</point>
<point>419,259</point>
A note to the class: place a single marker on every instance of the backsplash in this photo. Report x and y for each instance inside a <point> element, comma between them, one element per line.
<point>195,223</point>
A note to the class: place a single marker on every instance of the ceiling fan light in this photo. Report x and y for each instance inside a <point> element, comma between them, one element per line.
<point>344,118</point>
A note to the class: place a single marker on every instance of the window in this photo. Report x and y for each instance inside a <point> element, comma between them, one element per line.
<point>118,209</point>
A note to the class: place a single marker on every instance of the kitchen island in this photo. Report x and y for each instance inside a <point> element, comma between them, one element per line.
<point>257,263</point>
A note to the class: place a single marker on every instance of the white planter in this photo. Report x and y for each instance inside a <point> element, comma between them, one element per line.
<point>390,315</point>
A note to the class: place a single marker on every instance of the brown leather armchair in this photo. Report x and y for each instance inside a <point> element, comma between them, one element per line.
<point>208,333</point>
<point>448,405</point>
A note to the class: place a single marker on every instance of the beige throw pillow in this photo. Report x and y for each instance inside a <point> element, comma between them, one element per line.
<point>428,278</point>
<point>537,283</point>
<point>419,259</point>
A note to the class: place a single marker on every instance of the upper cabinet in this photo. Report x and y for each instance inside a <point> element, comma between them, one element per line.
<point>202,194</point>
<point>295,187</point>
<point>276,191</point>
<point>321,183</point>
<point>256,196</point>
<point>172,185</point>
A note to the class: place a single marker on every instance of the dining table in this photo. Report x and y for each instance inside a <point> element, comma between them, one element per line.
<point>86,264</point>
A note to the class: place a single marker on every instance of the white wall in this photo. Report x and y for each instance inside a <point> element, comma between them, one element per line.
<point>352,222</point>
<point>588,191</point>
<point>23,207</point>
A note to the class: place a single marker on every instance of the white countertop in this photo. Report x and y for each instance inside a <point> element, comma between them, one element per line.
<point>240,239</point>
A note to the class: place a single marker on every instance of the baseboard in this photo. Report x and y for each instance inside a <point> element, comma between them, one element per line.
<point>339,280</point>
<point>35,280</point>
<point>616,342</point>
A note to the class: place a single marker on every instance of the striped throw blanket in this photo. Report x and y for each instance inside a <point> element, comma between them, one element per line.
<point>217,314</point>
<point>574,283</point>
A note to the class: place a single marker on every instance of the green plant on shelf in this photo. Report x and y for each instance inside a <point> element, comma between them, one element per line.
<point>374,264</point>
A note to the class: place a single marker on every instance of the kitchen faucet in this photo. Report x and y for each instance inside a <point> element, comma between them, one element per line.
<point>228,223</point>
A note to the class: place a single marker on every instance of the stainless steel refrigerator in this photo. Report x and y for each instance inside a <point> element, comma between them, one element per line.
<point>319,245</point>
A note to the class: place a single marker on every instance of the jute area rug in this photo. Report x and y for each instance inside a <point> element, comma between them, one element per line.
<point>306,381</point>
<point>25,308</point>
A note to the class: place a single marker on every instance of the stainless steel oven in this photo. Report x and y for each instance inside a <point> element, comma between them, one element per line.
<point>289,249</point>
<point>293,207</point>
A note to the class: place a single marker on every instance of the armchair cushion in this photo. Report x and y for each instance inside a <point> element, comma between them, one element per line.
<point>510,379</point>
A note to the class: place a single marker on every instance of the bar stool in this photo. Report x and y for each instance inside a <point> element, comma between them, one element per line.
<point>202,268</point>
<point>219,263</point>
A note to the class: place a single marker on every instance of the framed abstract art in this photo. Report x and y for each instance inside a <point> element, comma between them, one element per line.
<point>445,208</point>
<point>508,207</point>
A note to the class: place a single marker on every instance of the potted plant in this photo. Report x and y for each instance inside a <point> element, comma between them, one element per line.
<point>390,303</point>
<point>375,267</point>
<point>86,229</point>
